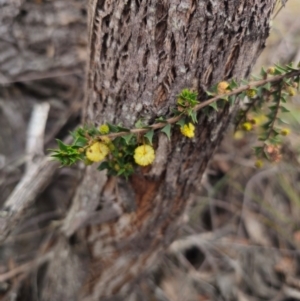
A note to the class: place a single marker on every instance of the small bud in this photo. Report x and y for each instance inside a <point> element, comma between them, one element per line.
<point>271,70</point>
<point>106,140</point>
<point>259,163</point>
<point>251,93</point>
<point>254,120</point>
<point>238,135</point>
<point>222,87</point>
<point>285,132</point>
<point>80,150</point>
<point>247,126</point>
<point>291,91</point>
<point>104,129</point>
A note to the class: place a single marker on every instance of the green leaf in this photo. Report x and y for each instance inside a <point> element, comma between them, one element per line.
<point>297,80</point>
<point>242,95</point>
<point>232,100</point>
<point>275,140</point>
<point>263,72</point>
<point>128,137</point>
<point>255,77</point>
<point>193,116</point>
<point>122,129</point>
<point>287,81</point>
<point>149,136</point>
<point>263,137</point>
<point>167,130</point>
<point>284,109</point>
<point>266,125</point>
<point>267,86</point>
<point>121,172</point>
<point>160,119</point>
<point>282,121</point>
<point>273,107</point>
<point>233,85</point>
<point>103,165</point>
<point>113,128</point>
<point>225,98</point>
<point>258,150</point>
<point>283,98</point>
<point>62,146</point>
<point>279,70</point>
<point>210,93</point>
<point>291,68</point>
<point>214,106</point>
<point>139,124</point>
<point>181,122</point>
<point>80,142</point>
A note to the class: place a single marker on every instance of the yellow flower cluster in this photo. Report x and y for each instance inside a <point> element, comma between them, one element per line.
<point>144,155</point>
<point>222,87</point>
<point>188,130</point>
<point>97,152</point>
<point>104,129</point>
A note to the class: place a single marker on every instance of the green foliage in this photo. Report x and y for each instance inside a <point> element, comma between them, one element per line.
<point>67,154</point>
<point>120,160</point>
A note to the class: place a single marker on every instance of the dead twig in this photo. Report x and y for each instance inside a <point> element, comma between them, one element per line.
<point>35,133</point>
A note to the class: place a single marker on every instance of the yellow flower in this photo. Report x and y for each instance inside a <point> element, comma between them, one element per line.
<point>97,152</point>
<point>188,130</point>
<point>247,126</point>
<point>104,129</point>
<point>285,132</point>
<point>251,93</point>
<point>259,163</point>
<point>144,155</point>
<point>222,87</point>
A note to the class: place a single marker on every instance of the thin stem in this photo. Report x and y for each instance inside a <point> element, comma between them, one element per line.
<point>206,103</point>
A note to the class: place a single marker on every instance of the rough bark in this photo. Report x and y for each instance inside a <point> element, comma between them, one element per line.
<point>142,54</point>
<point>41,39</point>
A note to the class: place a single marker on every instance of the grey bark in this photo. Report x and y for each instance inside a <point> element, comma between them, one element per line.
<point>141,55</point>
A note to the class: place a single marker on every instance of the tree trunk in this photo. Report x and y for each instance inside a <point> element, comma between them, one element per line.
<point>141,55</point>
